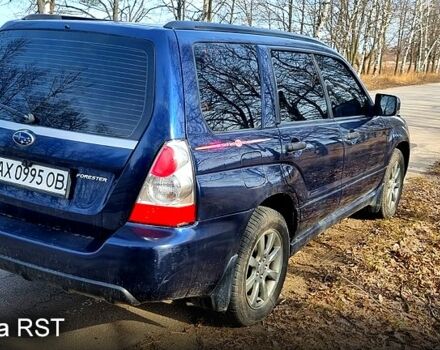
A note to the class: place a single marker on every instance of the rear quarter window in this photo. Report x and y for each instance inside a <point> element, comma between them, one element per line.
<point>91,83</point>
<point>229,86</point>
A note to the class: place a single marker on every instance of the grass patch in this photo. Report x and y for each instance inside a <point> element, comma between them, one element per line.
<point>388,80</point>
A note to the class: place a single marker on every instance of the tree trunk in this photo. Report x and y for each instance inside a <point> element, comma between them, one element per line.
<point>303,15</point>
<point>403,15</point>
<point>207,10</point>
<point>410,40</point>
<point>426,49</point>
<point>421,47</point>
<point>367,31</point>
<point>290,16</point>
<point>115,14</point>
<point>324,10</point>
<point>51,7</point>
<point>231,17</point>
<point>41,6</point>
<point>209,18</point>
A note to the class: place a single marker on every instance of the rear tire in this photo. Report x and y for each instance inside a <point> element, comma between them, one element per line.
<point>391,188</point>
<point>261,267</point>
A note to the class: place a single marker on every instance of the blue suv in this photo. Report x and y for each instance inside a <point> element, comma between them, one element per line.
<point>188,161</point>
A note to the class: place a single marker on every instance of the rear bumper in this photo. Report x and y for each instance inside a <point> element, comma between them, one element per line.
<point>110,292</point>
<point>137,263</point>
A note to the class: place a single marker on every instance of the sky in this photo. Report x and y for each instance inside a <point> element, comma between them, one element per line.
<point>11,11</point>
<point>16,10</point>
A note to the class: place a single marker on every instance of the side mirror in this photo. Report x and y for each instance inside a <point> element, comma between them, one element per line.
<point>386,105</point>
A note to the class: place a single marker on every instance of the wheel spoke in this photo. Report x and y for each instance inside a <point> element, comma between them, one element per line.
<point>397,175</point>
<point>269,243</point>
<point>255,292</point>
<point>390,178</point>
<point>273,255</point>
<point>272,274</point>
<point>260,247</point>
<point>252,262</point>
<point>396,193</point>
<point>263,290</point>
<point>250,282</point>
<point>389,195</point>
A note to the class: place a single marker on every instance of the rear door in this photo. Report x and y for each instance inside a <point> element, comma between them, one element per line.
<point>73,106</point>
<point>365,135</point>
<point>312,148</point>
<point>236,156</point>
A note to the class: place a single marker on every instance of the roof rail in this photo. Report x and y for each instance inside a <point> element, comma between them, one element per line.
<point>44,16</point>
<point>220,27</point>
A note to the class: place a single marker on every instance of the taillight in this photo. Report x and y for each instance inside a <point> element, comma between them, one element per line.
<point>167,196</point>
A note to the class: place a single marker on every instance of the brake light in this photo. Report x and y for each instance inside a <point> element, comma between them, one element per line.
<point>167,196</point>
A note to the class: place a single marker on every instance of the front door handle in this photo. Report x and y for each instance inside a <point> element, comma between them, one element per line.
<point>295,146</point>
<point>353,135</point>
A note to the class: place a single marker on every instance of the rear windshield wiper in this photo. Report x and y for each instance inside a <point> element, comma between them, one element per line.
<point>20,117</point>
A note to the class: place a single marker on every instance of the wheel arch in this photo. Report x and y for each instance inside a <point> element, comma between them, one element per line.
<point>404,147</point>
<point>287,206</point>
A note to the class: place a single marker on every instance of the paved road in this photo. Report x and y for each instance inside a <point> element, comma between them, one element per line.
<point>421,109</point>
<point>97,325</point>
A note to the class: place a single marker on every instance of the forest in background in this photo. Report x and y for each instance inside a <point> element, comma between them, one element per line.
<point>395,42</point>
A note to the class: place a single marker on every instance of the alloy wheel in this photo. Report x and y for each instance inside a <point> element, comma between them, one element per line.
<point>264,269</point>
<point>394,185</point>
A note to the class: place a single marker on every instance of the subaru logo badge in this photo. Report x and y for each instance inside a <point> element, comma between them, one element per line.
<point>23,137</point>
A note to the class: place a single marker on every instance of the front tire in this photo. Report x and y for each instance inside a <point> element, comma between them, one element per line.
<point>392,186</point>
<point>261,267</point>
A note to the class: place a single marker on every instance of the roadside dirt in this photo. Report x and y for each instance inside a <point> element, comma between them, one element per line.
<point>364,284</point>
<point>388,80</point>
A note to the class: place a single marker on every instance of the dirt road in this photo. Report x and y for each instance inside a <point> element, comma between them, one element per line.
<point>313,275</point>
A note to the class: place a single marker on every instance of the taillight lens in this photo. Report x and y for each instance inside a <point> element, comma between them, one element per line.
<point>167,196</point>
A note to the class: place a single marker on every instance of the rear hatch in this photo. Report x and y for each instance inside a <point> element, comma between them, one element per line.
<point>73,106</point>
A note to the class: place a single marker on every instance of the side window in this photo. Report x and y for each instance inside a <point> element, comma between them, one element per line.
<point>346,96</point>
<point>229,86</point>
<point>300,94</point>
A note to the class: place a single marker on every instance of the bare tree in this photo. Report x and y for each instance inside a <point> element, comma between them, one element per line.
<point>374,35</point>
<point>116,10</point>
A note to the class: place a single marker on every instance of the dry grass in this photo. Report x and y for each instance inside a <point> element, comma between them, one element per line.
<point>388,80</point>
<point>364,284</point>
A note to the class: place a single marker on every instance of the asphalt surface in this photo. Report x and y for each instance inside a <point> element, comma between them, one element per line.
<point>421,109</point>
<point>95,324</point>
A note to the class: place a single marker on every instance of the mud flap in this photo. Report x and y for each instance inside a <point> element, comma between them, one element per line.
<point>376,203</point>
<point>221,295</point>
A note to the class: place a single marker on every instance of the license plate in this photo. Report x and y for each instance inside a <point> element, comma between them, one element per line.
<point>37,177</point>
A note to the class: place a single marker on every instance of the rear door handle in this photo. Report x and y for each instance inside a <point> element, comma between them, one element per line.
<point>295,146</point>
<point>353,135</point>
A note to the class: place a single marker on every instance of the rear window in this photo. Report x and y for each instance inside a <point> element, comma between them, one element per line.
<point>83,82</point>
<point>229,86</point>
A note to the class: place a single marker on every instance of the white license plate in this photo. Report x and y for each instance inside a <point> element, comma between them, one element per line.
<point>37,177</point>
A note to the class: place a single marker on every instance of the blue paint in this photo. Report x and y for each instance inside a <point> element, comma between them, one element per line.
<point>84,242</point>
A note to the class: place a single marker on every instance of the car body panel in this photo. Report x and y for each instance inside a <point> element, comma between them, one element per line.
<point>151,263</point>
<point>324,154</point>
<point>365,156</point>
